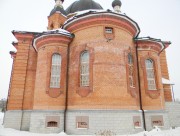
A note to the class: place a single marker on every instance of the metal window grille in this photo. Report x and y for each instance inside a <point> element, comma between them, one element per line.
<point>55,71</point>
<point>150,74</point>
<point>52,124</point>
<point>84,70</point>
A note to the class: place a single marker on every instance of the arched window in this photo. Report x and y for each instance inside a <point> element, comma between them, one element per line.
<point>55,71</point>
<point>150,74</point>
<point>84,69</point>
<point>131,70</point>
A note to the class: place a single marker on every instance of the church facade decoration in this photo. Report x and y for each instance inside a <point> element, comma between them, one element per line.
<point>89,71</point>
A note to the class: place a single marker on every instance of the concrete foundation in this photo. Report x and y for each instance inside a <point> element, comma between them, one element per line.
<point>13,119</point>
<point>150,114</point>
<point>38,121</point>
<point>116,121</point>
<point>173,110</point>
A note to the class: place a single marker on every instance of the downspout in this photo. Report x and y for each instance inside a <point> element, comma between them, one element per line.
<point>162,49</point>
<point>173,93</point>
<point>139,85</point>
<point>67,84</point>
<point>25,87</point>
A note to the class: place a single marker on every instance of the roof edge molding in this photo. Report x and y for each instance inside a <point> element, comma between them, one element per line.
<point>162,44</point>
<point>52,36</point>
<point>97,17</point>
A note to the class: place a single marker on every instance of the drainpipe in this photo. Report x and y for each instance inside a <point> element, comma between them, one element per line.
<point>139,85</point>
<point>162,49</point>
<point>67,83</point>
<point>22,115</point>
<point>173,93</point>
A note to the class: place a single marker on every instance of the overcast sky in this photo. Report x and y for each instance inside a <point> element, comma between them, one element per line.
<point>156,18</point>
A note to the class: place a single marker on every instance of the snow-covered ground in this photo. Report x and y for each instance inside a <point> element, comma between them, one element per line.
<point>12,132</point>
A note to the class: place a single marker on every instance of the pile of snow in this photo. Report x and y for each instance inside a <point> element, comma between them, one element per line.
<point>155,132</point>
<point>1,120</point>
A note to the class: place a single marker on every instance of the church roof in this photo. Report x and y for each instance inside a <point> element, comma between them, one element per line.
<point>58,9</point>
<point>167,82</point>
<point>81,5</point>
<point>116,3</point>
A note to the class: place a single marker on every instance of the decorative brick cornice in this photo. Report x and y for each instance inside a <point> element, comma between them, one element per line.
<point>26,38</point>
<point>50,39</point>
<point>13,54</point>
<point>150,45</point>
<point>103,18</point>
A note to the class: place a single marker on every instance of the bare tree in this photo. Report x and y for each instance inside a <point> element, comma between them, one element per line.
<point>3,105</point>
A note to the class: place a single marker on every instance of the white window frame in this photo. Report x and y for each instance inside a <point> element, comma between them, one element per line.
<point>82,119</point>
<point>84,69</point>
<point>151,81</point>
<point>109,30</point>
<point>55,71</point>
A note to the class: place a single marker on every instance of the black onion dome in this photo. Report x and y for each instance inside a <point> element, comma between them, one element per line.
<point>58,9</point>
<point>116,3</point>
<point>81,5</point>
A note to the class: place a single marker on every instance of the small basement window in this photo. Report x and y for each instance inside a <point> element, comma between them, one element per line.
<point>109,30</point>
<point>137,121</point>
<point>52,124</point>
<point>157,121</point>
<point>52,121</point>
<point>82,122</point>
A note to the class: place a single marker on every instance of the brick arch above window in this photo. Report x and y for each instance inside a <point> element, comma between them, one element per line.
<point>55,78</point>
<point>152,93</point>
<point>84,68</point>
<point>56,91</point>
<point>84,91</point>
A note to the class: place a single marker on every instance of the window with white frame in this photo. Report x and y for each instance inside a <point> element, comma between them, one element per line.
<point>109,30</point>
<point>150,74</point>
<point>131,70</point>
<point>82,122</point>
<point>157,121</point>
<point>84,69</point>
<point>55,71</point>
<point>137,121</point>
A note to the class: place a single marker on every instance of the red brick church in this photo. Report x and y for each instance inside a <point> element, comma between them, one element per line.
<point>89,72</point>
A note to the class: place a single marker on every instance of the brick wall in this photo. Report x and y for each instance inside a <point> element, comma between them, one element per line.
<point>165,74</point>
<point>109,81</point>
<point>20,74</point>
<point>151,99</point>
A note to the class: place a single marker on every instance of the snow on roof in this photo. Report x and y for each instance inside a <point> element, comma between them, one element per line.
<point>166,82</point>
<point>52,32</point>
<point>159,41</point>
<point>92,12</point>
<point>58,31</point>
<point>79,13</point>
